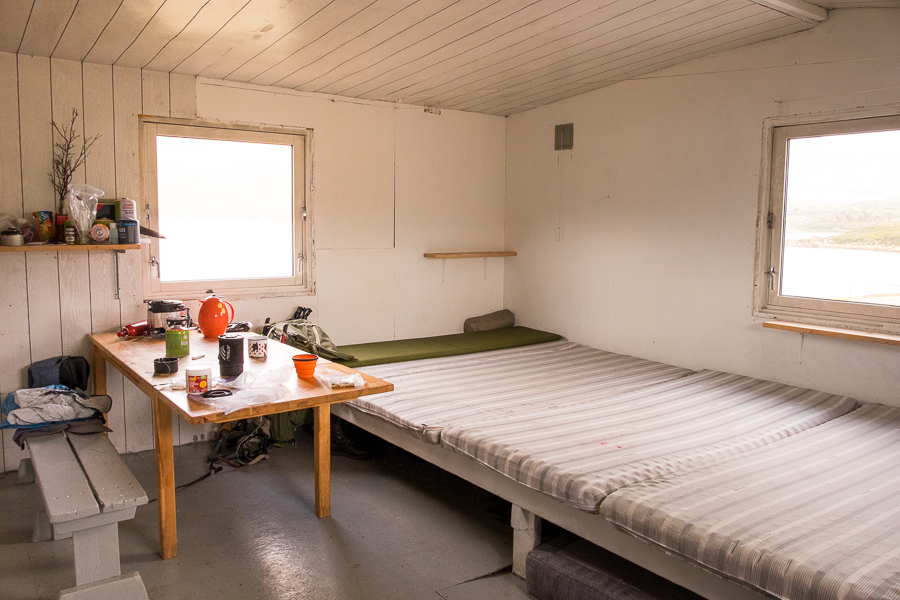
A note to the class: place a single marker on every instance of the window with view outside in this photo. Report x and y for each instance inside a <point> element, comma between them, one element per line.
<point>225,208</point>
<point>841,237</point>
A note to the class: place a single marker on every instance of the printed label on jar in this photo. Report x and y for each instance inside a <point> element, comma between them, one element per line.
<point>197,384</point>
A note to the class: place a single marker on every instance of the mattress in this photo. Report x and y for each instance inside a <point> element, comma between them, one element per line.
<point>814,516</point>
<point>432,394</point>
<point>580,453</point>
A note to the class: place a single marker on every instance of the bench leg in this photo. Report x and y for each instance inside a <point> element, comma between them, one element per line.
<point>526,537</point>
<point>125,587</point>
<point>96,553</point>
<point>26,471</point>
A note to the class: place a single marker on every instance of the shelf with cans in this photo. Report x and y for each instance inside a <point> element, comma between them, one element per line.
<point>113,226</point>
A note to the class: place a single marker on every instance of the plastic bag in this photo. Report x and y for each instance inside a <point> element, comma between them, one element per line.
<point>83,208</point>
<point>342,380</point>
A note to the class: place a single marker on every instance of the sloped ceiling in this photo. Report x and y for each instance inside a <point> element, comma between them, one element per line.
<point>497,57</point>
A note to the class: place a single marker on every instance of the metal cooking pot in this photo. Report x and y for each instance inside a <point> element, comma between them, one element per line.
<point>160,310</point>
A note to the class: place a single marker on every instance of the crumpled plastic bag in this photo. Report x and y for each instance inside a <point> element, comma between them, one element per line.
<point>255,388</point>
<point>342,380</point>
<point>83,208</point>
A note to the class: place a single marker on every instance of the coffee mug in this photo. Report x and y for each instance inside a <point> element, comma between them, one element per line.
<point>257,346</point>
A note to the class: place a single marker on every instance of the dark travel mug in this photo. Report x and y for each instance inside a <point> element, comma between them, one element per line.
<point>231,354</point>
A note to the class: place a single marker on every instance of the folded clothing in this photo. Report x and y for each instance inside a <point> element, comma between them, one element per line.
<point>35,407</point>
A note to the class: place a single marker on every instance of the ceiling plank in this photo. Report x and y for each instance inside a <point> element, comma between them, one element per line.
<point>797,8</point>
<point>333,15</point>
<point>335,49</point>
<point>443,34</point>
<point>45,26</point>
<point>549,93</point>
<point>125,26</point>
<point>633,30</point>
<point>613,22</point>
<point>502,56</point>
<point>555,20</point>
<point>12,25</point>
<point>170,20</point>
<point>258,26</point>
<point>205,24</point>
<point>84,28</point>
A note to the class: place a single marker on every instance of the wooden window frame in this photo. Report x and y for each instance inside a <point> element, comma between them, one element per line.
<point>302,282</point>
<point>768,302</point>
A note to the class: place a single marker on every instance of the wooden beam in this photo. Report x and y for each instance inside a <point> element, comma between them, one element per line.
<point>797,8</point>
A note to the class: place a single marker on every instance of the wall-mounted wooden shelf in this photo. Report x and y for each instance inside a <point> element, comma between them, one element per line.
<point>468,254</point>
<point>835,332</point>
<point>69,247</point>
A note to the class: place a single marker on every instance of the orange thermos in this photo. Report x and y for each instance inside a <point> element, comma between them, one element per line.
<point>213,318</point>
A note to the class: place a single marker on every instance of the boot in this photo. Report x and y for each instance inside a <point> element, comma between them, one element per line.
<point>343,444</point>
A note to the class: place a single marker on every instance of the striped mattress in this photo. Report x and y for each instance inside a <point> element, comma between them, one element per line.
<point>812,517</point>
<point>581,453</point>
<point>431,394</point>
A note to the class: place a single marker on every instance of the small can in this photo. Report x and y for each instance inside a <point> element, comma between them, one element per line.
<point>257,346</point>
<point>127,210</point>
<point>128,232</point>
<point>100,232</point>
<point>70,232</point>
<point>197,379</point>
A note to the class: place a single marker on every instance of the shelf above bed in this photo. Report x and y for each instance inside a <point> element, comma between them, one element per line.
<point>490,254</point>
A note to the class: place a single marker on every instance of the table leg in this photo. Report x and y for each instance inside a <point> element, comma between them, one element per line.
<point>322,433</point>
<point>99,372</point>
<point>165,475</point>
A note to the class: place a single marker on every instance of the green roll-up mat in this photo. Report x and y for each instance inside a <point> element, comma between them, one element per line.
<point>377,353</point>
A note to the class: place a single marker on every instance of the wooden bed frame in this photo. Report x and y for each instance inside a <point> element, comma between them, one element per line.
<point>530,506</point>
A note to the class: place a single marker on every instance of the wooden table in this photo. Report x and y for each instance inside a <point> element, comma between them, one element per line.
<point>134,358</point>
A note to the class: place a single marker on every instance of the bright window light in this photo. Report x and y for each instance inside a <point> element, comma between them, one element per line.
<point>842,218</point>
<point>225,209</point>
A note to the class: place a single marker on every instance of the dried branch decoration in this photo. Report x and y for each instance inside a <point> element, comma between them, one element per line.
<point>67,158</point>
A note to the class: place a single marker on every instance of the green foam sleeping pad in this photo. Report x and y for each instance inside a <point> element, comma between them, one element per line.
<point>377,353</point>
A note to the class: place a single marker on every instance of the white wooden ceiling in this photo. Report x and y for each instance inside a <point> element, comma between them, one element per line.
<point>492,56</point>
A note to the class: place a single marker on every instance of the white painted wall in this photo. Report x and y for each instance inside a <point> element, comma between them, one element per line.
<point>642,239</point>
<point>391,184</point>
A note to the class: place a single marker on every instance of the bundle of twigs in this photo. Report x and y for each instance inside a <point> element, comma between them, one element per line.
<point>67,158</point>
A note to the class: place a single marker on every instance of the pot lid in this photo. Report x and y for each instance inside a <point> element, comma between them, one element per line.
<point>163,306</point>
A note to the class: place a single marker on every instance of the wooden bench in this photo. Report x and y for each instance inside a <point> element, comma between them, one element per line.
<point>87,490</point>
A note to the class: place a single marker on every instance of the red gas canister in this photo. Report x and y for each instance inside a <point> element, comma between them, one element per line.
<point>213,318</point>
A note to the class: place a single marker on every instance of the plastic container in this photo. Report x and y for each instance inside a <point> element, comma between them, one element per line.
<point>197,379</point>
<point>305,365</point>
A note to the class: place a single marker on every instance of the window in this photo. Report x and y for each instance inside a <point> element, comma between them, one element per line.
<point>831,251</point>
<point>232,205</point>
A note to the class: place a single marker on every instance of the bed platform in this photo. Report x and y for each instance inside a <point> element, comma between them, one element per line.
<point>559,429</point>
<point>814,516</point>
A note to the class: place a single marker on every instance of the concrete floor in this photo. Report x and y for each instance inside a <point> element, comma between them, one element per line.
<point>400,529</point>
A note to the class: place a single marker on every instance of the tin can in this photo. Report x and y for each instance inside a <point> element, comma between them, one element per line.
<point>197,379</point>
<point>128,232</point>
<point>127,210</point>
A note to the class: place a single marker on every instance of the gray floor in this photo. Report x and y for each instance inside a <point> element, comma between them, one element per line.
<point>400,529</point>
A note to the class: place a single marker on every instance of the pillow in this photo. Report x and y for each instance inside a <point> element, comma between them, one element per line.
<point>495,320</point>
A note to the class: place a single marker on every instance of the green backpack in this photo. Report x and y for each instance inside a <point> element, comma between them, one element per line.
<point>306,336</point>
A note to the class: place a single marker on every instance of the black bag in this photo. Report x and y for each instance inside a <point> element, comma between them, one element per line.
<point>70,371</point>
<point>246,443</point>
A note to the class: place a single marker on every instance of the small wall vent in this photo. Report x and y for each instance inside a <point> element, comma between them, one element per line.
<point>565,137</point>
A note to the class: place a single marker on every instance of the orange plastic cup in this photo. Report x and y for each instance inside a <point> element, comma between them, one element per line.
<point>305,365</point>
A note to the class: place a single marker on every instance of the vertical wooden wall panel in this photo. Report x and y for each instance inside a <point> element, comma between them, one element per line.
<point>182,96</point>
<point>74,276</point>
<point>127,102</point>
<point>100,171</point>
<point>34,134</point>
<point>10,158</point>
<point>14,346</point>
<point>155,93</point>
<point>127,107</point>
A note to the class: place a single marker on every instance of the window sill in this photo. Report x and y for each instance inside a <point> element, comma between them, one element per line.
<point>835,332</point>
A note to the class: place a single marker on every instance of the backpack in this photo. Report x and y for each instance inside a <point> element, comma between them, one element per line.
<point>306,336</point>
<point>70,371</point>
<point>246,443</point>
